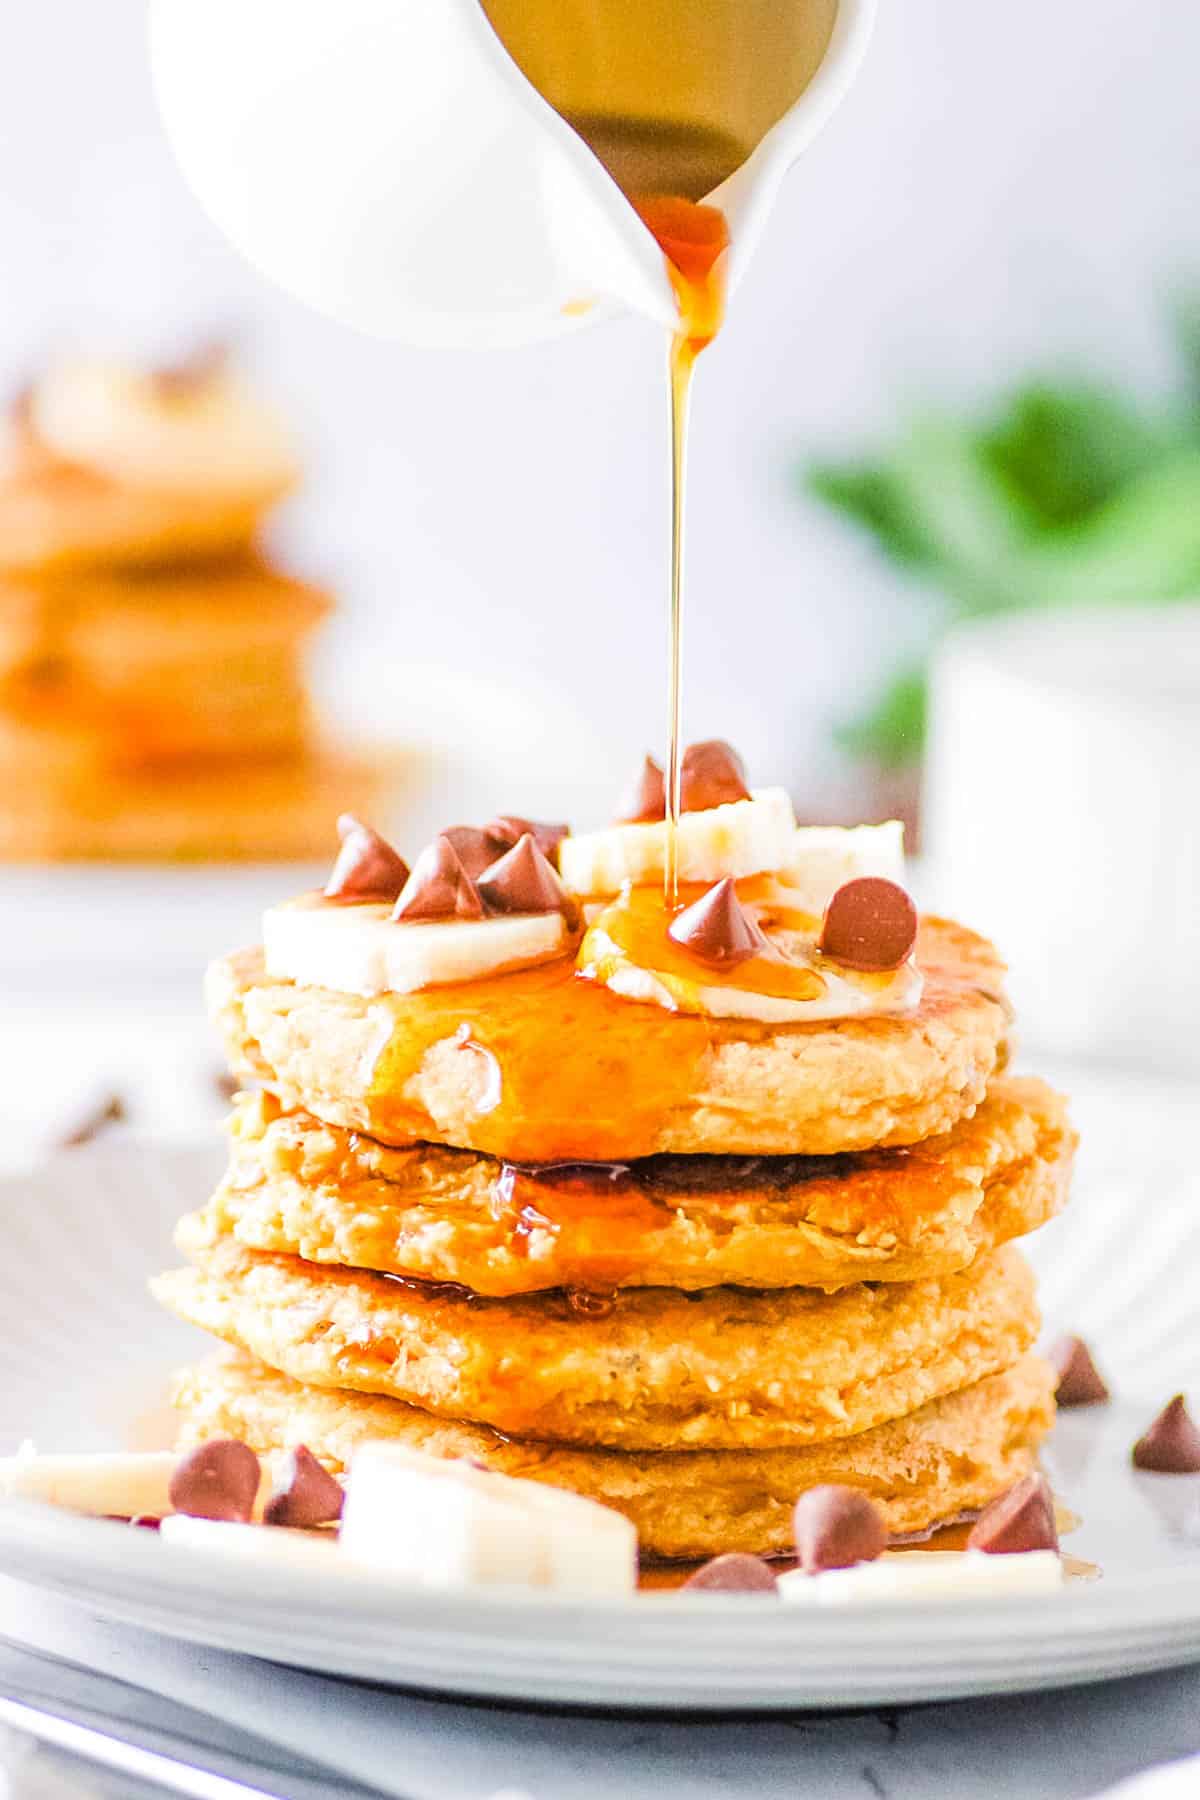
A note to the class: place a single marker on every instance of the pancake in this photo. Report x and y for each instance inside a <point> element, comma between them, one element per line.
<point>59,726</point>
<point>430,1213</point>
<point>950,1458</point>
<point>55,516</point>
<point>542,1066</point>
<point>645,1369</point>
<point>116,628</point>
<point>226,810</point>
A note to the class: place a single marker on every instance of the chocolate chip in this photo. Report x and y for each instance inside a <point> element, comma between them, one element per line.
<point>712,774</point>
<point>226,1086</point>
<point>522,881</point>
<point>870,923</point>
<point>837,1527</point>
<point>304,1493</point>
<point>645,799</point>
<point>94,1116</point>
<point>1171,1445</point>
<point>439,887</point>
<point>1021,1519</point>
<point>734,1573</point>
<point>717,928</point>
<point>1080,1382</point>
<point>217,1480</point>
<point>475,848</point>
<point>367,868</point>
<point>506,829</point>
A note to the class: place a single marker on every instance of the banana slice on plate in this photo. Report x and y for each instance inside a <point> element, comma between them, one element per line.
<point>442,1523</point>
<point>198,427</point>
<point>743,837</point>
<point>360,949</point>
<point>779,977</point>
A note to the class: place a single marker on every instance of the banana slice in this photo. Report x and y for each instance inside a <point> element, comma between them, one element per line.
<point>253,1543</point>
<point>822,859</point>
<point>914,1576</point>
<point>108,1484</point>
<point>628,949</point>
<point>201,431</point>
<point>449,1524</point>
<point>362,950</point>
<point>743,837</point>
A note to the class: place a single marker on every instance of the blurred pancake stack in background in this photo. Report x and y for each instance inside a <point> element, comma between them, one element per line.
<point>153,703</point>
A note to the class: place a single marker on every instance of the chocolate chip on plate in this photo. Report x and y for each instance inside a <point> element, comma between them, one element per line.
<point>870,924</point>
<point>1080,1382</point>
<point>734,1573</point>
<point>217,1480</point>
<point>304,1494</point>
<point>837,1527</point>
<point>1021,1519</point>
<point>1171,1444</point>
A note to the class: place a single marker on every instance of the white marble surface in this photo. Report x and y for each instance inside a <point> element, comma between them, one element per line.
<point>1059,1746</point>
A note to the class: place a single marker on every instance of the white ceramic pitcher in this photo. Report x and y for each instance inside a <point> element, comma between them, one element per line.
<point>388,163</point>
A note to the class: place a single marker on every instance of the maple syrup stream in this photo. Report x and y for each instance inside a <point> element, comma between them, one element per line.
<point>694,238</point>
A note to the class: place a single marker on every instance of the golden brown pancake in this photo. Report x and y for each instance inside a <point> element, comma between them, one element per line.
<point>212,810</point>
<point>56,516</point>
<point>543,1066</point>
<point>650,1369</point>
<point>435,1214</point>
<point>951,1457</point>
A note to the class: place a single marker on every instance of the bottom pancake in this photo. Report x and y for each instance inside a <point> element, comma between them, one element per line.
<point>951,1457</point>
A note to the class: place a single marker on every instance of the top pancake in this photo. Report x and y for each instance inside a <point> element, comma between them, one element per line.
<point>543,1066</point>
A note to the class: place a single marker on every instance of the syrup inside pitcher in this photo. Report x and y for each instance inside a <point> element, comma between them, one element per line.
<point>671,95</point>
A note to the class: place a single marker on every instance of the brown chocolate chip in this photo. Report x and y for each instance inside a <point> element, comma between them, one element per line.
<point>522,881</point>
<point>93,1117</point>
<point>1021,1519</point>
<point>506,829</point>
<point>475,848</point>
<point>713,774</point>
<point>367,868</point>
<point>717,928</point>
<point>1171,1445</point>
<point>304,1493</point>
<point>217,1480</point>
<point>734,1573</point>
<point>439,887</point>
<point>870,923</point>
<point>1080,1382</point>
<point>645,799</point>
<point>837,1527</point>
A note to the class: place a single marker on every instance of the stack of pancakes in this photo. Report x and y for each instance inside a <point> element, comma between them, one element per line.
<point>152,691</point>
<point>686,1266</point>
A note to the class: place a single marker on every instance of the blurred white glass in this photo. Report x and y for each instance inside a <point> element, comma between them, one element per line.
<point>1063,809</point>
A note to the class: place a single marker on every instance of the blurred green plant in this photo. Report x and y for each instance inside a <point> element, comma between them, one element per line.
<point>1069,492</point>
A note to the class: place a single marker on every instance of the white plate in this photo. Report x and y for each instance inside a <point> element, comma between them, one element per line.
<point>83,1355</point>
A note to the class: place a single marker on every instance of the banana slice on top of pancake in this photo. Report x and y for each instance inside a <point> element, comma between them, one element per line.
<point>753,950</point>
<point>379,928</point>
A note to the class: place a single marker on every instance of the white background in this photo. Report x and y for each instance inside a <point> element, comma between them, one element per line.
<point>1007,186</point>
